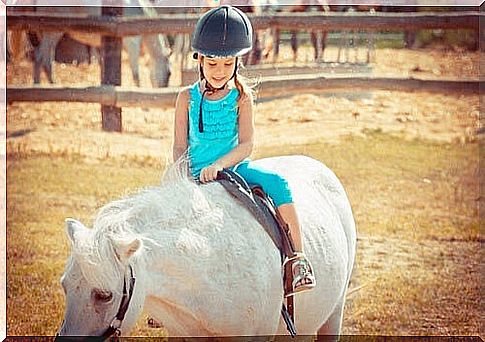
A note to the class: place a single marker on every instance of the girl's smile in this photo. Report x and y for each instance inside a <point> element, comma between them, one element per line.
<point>218,71</point>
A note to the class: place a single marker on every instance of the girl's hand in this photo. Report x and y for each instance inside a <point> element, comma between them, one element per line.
<point>209,173</point>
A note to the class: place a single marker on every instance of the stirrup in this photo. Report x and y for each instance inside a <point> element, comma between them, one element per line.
<point>303,278</point>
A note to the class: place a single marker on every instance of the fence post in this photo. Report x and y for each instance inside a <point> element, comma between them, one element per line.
<point>111,72</point>
<point>481,30</point>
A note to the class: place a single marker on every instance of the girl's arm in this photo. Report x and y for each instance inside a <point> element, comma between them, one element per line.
<point>242,150</point>
<point>180,124</point>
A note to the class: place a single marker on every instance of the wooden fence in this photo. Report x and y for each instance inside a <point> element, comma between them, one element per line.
<point>184,23</point>
<point>116,96</point>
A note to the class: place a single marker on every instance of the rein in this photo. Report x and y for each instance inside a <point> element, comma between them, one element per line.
<point>114,327</point>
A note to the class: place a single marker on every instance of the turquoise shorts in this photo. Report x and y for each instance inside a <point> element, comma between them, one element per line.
<point>273,184</point>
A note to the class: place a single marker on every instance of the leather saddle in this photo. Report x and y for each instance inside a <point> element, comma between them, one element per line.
<point>264,210</point>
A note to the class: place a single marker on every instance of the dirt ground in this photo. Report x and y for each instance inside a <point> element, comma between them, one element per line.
<point>70,128</point>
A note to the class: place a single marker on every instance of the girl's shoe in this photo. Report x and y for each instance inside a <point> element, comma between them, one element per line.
<point>303,278</point>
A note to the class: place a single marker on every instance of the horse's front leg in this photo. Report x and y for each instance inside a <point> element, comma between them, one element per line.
<point>323,42</point>
<point>316,44</point>
<point>156,46</point>
<point>276,43</point>
<point>257,51</point>
<point>132,45</point>
<point>44,55</point>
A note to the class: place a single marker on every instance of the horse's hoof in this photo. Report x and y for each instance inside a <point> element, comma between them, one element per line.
<point>153,323</point>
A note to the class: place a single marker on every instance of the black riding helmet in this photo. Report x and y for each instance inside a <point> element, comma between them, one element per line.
<point>224,31</point>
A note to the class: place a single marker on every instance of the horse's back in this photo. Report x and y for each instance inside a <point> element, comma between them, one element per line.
<point>309,179</point>
<point>316,189</point>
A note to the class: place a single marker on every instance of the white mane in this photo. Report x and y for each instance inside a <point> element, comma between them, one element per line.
<point>142,215</point>
<point>151,208</point>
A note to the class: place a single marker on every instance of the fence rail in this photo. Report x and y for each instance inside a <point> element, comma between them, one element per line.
<point>184,23</point>
<point>268,87</point>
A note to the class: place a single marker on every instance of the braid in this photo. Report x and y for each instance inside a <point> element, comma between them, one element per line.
<point>245,91</point>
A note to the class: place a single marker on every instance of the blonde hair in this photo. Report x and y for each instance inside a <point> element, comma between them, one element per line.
<point>246,92</point>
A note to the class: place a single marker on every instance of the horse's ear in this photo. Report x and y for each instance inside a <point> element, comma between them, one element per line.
<point>73,228</point>
<point>125,249</point>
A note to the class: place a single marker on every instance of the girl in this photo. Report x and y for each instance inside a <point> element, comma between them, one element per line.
<point>214,121</point>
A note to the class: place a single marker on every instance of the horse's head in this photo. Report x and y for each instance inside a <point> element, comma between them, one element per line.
<point>98,282</point>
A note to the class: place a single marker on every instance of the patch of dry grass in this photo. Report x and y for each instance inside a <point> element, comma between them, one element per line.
<point>41,193</point>
<point>426,288</point>
<point>415,203</point>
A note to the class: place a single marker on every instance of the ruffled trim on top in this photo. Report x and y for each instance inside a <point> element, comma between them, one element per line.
<point>230,97</point>
<point>220,116</point>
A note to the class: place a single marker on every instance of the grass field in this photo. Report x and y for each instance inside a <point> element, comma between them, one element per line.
<point>415,203</point>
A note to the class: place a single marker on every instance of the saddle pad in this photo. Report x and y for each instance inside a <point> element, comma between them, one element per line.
<point>238,188</point>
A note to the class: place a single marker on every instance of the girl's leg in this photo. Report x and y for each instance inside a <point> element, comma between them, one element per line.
<point>289,215</point>
<point>277,188</point>
<point>303,278</point>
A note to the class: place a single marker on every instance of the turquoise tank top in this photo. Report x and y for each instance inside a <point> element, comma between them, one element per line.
<point>220,136</point>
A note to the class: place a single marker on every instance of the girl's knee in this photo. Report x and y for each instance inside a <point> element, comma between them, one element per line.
<point>277,188</point>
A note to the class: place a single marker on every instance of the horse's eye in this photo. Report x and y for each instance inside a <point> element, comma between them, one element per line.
<point>102,296</point>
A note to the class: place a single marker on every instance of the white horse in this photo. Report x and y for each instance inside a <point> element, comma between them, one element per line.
<point>203,265</point>
<point>155,44</point>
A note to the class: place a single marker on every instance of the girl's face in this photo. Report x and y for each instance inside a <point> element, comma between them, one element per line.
<point>218,71</point>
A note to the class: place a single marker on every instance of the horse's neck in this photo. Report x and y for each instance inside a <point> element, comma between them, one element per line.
<point>179,320</point>
<point>170,277</point>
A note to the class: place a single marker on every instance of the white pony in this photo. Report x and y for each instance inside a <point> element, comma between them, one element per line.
<point>203,264</point>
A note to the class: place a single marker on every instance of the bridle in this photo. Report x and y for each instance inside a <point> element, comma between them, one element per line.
<point>114,327</point>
